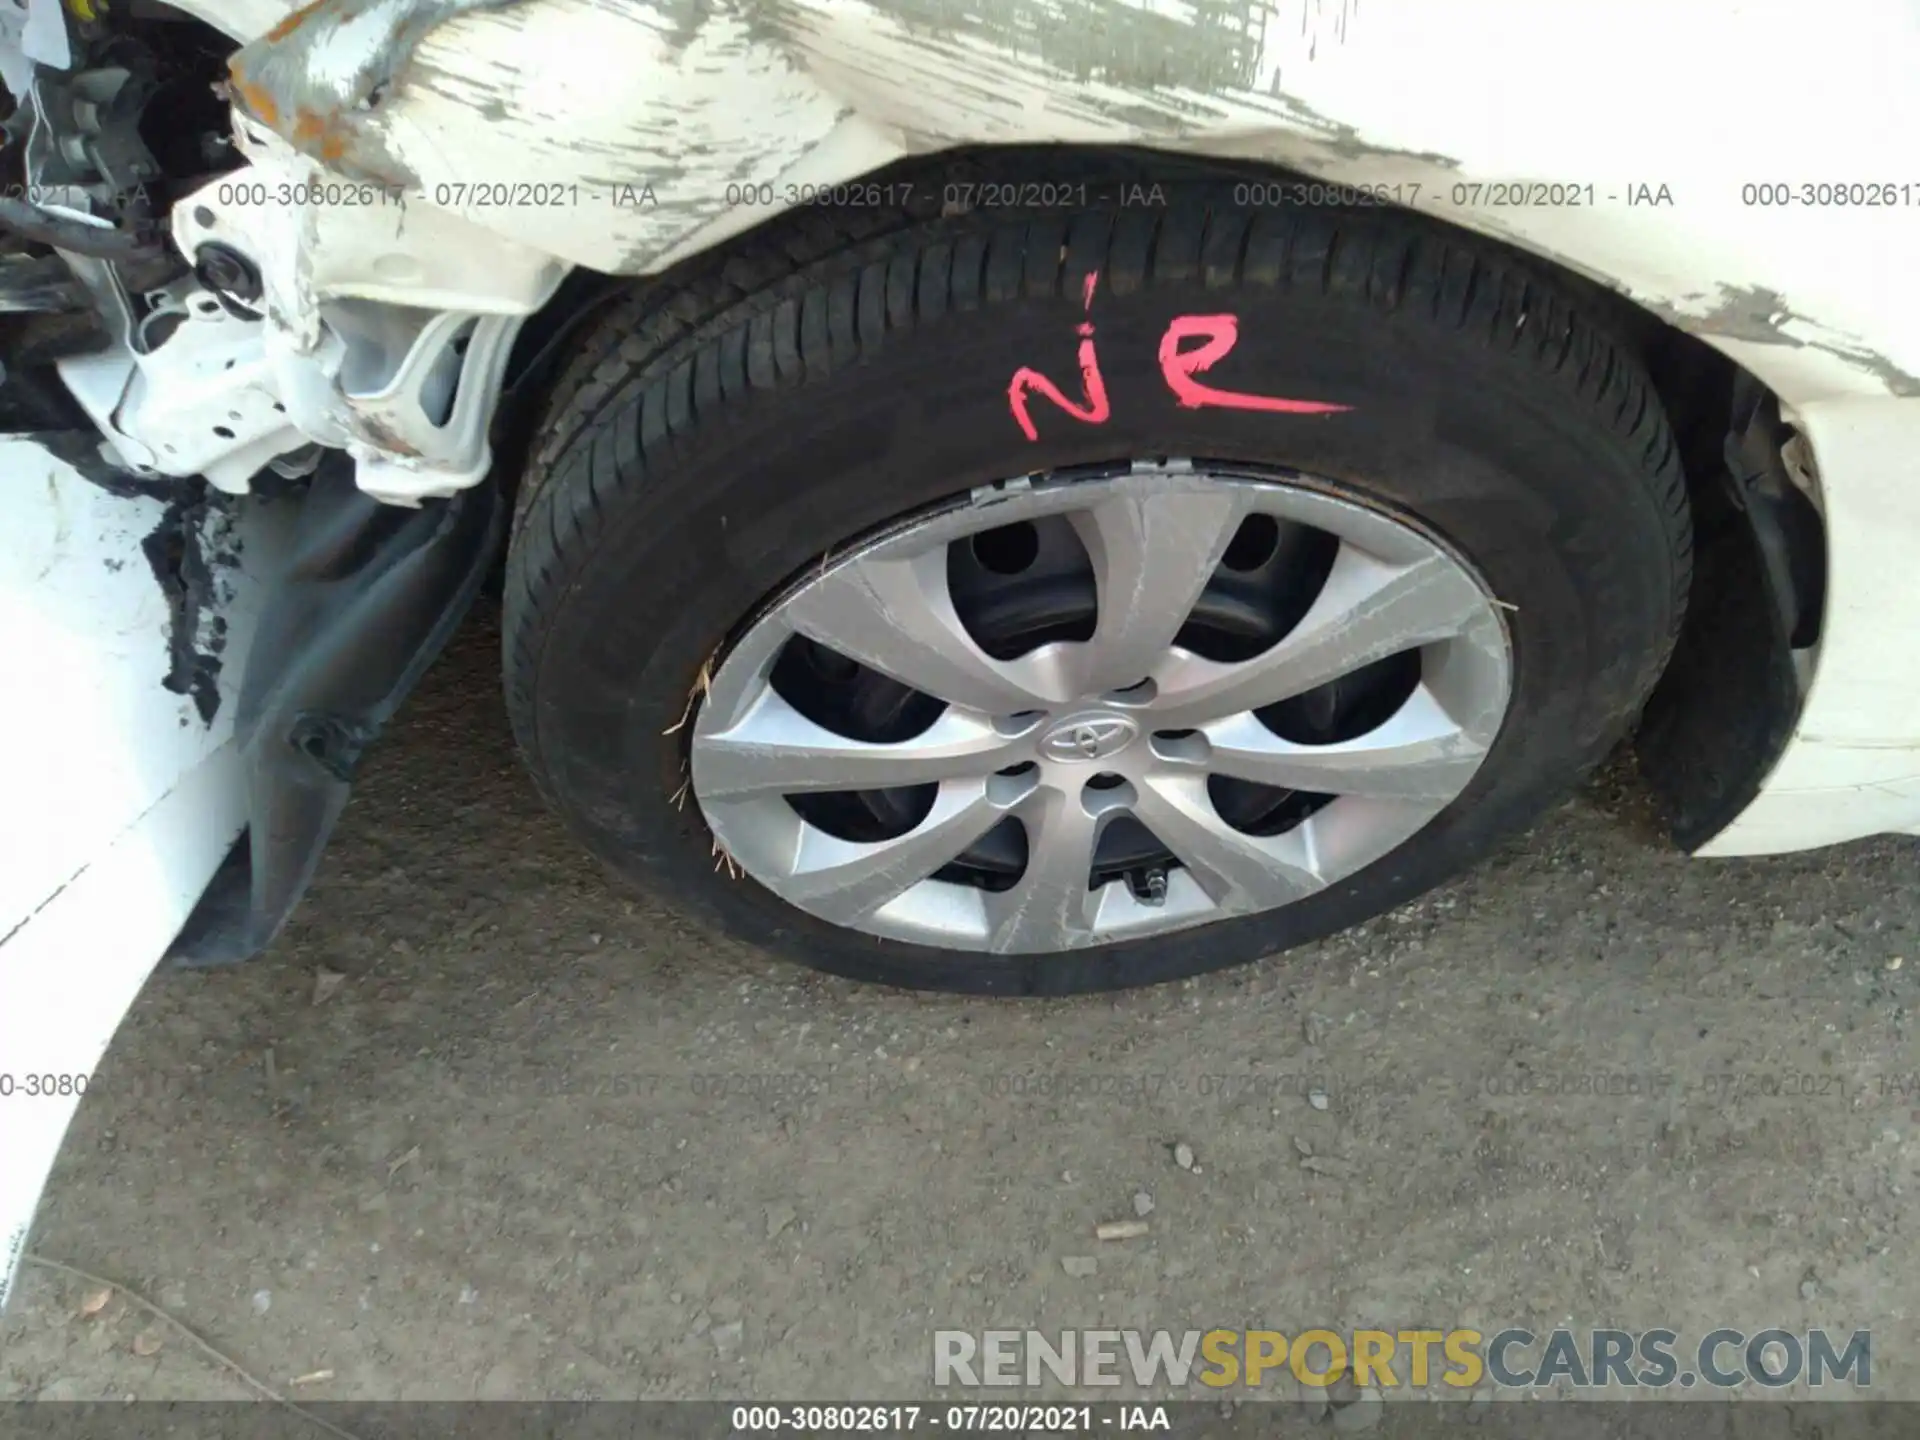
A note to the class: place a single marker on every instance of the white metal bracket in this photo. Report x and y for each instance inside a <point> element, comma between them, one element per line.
<point>382,328</point>
<point>202,402</point>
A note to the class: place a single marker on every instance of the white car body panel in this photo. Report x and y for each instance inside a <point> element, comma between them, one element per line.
<point>1852,767</point>
<point>131,800</point>
<point>1817,301</point>
<point>120,799</point>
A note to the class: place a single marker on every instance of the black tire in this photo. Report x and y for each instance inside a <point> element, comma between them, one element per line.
<point>721,432</point>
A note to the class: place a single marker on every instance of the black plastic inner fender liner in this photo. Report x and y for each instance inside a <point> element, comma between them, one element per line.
<point>370,597</point>
<point>1727,704</point>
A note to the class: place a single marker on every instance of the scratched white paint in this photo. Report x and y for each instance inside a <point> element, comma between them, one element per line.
<point>1633,93</point>
<point>691,115</point>
<point>134,802</point>
<point>1617,96</point>
<point>1822,303</point>
<point>120,801</point>
<point>134,807</point>
<point>1176,10</point>
<point>1639,92</point>
<point>344,51</point>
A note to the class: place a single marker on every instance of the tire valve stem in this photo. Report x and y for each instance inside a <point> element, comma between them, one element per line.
<point>1151,887</point>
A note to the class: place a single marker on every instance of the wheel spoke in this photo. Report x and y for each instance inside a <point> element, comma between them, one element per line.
<point>775,750</point>
<point>897,617</point>
<point>1063,737</point>
<point>845,881</point>
<point>1419,754</point>
<point>1050,906</point>
<point>1152,556</point>
<point>1367,610</point>
<point>1239,872</point>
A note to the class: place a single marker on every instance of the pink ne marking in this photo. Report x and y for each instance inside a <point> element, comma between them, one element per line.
<point>1028,381</point>
<point>1222,333</point>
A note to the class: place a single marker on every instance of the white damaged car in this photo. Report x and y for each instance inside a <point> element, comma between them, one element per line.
<point>1026,498</point>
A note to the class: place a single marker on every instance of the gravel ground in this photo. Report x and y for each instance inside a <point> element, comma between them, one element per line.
<point>547,1139</point>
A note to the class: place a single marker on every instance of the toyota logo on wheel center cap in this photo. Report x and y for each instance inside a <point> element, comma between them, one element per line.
<point>1088,737</point>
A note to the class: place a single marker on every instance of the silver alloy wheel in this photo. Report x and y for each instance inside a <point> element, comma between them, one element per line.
<point>1147,721</point>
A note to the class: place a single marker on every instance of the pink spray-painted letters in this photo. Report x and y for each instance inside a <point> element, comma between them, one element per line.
<point>1222,333</point>
<point>1028,381</point>
<point>1179,364</point>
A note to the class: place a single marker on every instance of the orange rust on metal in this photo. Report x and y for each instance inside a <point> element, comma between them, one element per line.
<point>258,102</point>
<point>323,107</point>
<point>294,21</point>
<point>386,439</point>
<point>319,135</point>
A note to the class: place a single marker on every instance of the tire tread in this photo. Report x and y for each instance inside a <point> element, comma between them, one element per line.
<point>818,291</point>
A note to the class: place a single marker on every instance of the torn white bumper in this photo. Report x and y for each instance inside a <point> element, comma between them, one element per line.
<point>121,796</point>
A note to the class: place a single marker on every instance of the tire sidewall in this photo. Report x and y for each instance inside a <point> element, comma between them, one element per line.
<point>1458,433</point>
